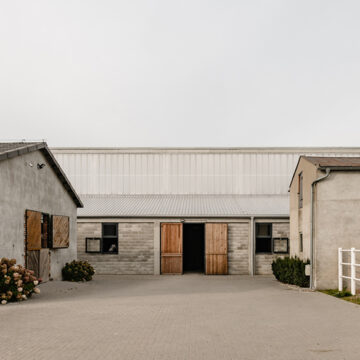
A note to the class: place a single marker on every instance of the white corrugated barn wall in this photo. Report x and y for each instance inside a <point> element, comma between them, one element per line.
<point>184,171</point>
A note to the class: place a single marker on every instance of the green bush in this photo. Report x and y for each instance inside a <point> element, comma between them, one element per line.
<point>16,282</point>
<point>78,271</point>
<point>291,270</point>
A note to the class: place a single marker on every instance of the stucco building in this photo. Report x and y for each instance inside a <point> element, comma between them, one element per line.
<point>324,213</point>
<point>38,209</point>
<point>173,210</point>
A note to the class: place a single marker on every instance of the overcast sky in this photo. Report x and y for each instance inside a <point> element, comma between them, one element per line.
<point>180,73</point>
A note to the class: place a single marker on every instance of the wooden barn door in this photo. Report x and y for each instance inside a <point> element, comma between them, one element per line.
<point>37,258</point>
<point>171,248</point>
<point>216,249</point>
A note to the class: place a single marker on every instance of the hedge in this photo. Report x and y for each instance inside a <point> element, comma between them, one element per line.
<point>291,270</point>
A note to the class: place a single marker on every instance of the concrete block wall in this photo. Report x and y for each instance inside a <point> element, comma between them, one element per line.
<point>263,261</point>
<point>238,248</point>
<point>136,249</point>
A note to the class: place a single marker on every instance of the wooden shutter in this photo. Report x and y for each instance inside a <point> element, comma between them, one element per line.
<point>60,226</point>
<point>33,230</point>
<point>216,249</point>
<point>171,248</point>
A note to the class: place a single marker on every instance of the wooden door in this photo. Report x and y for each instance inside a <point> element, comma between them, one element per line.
<point>216,249</point>
<point>33,230</point>
<point>171,248</point>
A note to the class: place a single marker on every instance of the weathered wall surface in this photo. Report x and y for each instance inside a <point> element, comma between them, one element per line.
<point>300,218</point>
<point>263,261</point>
<point>238,248</point>
<point>337,219</point>
<point>136,248</point>
<point>24,187</point>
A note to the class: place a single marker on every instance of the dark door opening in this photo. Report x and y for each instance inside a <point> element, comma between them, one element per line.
<point>194,248</point>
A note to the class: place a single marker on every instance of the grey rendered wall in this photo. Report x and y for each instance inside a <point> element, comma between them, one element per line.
<point>238,248</point>
<point>263,261</point>
<point>337,224</point>
<point>136,248</point>
<point>24,187</point>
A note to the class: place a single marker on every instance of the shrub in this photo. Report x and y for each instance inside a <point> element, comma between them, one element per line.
<point>78,271</point>
<point>16,282</point>
<point>291,271</point>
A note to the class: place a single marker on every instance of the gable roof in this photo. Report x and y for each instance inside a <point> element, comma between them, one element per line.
<point>338,163</point>
<point>9,150</point>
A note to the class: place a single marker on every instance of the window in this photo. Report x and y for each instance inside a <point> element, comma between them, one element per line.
<point>301,245</point>
<point>107,244</point>
<point>263,238</point>
<point>109,238</point>
<point>300,190</point>
<point>280,245</point>
<point>93,245</point>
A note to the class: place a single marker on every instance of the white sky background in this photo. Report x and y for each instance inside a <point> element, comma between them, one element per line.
<point>180,73</point>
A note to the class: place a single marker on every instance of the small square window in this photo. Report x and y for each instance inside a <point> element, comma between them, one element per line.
<point>281,245</point>
<point>93,245</point>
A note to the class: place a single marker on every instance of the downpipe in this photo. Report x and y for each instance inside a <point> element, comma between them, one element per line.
<point>327,174</point>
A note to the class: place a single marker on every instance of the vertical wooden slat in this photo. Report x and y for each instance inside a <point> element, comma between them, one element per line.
<point>216,249</point>
<point>32,261</point>
<point>44,264</point>
<point>33,230</point>
<point>171,248</point>
<point>60,226</point>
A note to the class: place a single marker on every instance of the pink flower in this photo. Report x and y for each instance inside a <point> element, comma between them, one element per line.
<point>3,302</point>
<point>20,289</point>
<point>36,290</point>
<point>36,282</point>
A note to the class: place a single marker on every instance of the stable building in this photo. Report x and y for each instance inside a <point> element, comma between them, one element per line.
<point>178,210</point>
<point>38,209</point>
<point>324,214</point>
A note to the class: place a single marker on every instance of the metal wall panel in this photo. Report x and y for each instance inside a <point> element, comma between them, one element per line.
<point>170,171</point>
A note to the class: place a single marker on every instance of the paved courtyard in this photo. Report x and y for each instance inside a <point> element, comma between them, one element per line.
<point>179,317</point>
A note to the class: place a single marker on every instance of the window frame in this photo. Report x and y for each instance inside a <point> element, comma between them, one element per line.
<point>86,245</point>
<point>264,237</point>
<point>287,245</point>
<point>104,237</point>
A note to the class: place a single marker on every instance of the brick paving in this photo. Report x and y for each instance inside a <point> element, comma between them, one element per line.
<point>179,317</point>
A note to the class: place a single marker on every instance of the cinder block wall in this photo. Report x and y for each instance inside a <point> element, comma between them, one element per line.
<point>238,248</point>
<point>136,249</point>
<point>263,261</point>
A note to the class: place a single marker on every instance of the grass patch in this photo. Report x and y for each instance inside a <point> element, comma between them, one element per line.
<point>345,295</point>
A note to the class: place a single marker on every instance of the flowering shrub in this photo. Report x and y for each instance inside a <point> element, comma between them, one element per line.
<point>16,282</point>
<point>78,271</point>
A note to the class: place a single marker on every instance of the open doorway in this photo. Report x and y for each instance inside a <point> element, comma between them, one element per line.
<point>194,248</point>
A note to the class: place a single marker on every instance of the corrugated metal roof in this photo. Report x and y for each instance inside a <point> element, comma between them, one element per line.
<point>322,161</point>
<point>184,205</point>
